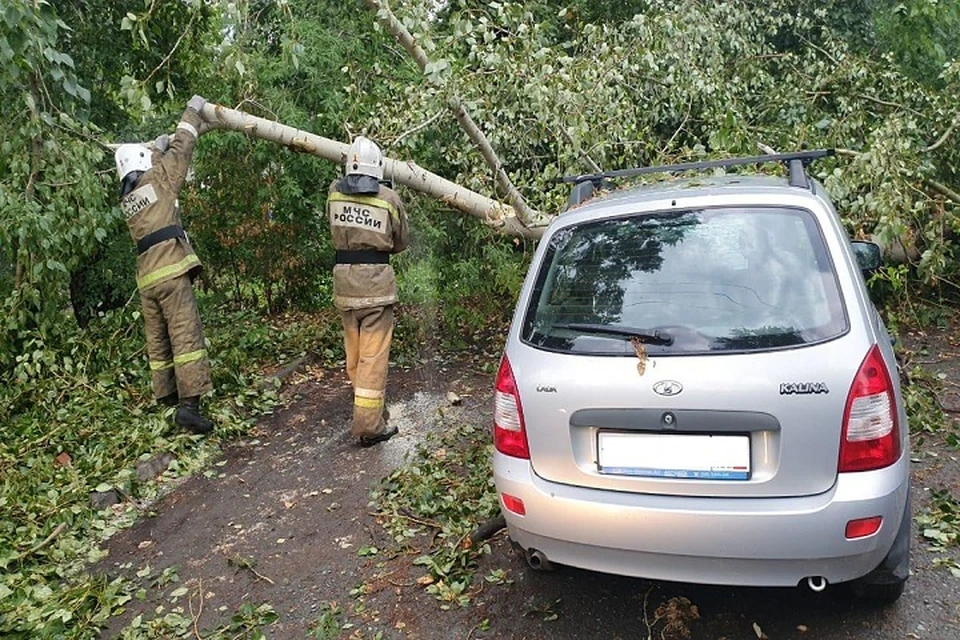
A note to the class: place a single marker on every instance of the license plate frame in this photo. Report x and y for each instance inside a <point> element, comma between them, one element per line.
<point>682,456</point>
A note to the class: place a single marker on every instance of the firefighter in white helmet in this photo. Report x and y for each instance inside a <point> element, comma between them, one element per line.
<point>367,224</point>
<point>151,180</point>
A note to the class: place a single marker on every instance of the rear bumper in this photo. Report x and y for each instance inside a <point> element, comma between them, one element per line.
<point>728,541</point>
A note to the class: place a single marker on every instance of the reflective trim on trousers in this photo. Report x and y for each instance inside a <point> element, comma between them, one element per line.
<point>367,403</point>
<point>157,275</point>
<point>160,365</point>
<point>192,356</point>
<point>189,128</point>
<point>368,393</point>
<point>368,200</point>
<point>348,303</point>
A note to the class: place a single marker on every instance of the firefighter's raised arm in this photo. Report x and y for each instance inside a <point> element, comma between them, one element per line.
<point>176,158</point>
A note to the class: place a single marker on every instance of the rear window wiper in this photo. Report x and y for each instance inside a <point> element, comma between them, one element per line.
<point>643,335</point>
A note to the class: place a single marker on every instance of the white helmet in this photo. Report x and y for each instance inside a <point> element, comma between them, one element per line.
<point>132,157</point>
<point>364,158</point>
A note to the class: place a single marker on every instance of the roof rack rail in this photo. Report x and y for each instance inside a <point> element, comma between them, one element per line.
<point>796,162</point>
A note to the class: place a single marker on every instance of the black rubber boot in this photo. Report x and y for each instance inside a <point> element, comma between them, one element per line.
<point>189,416</point>
<point>169,400</point>
<point>369,441</point>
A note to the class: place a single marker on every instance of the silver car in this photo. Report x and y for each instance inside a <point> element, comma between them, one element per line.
<point>696,387</point>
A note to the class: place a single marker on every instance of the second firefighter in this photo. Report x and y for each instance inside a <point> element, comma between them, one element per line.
<point>367,225</point>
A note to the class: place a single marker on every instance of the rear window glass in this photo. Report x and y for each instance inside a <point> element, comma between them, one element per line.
<point>737,279</point>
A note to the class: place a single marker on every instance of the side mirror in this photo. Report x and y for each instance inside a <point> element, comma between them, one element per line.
<point>868,255</point>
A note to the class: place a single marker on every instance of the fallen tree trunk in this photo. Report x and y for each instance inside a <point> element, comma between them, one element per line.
<point>407,173</point>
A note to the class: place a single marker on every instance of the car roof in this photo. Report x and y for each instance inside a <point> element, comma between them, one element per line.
<point>694,187</point>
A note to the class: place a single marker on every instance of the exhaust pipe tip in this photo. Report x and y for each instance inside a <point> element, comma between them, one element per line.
<point>537,560</point>
<point>817,583</point>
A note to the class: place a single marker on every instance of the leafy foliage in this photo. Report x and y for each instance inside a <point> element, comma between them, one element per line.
<point>446,488</point>
<point>706,79</point>
<point>920,35</point>
<point>940,525</point>
<point>76,421</point>
<point>247,623</point>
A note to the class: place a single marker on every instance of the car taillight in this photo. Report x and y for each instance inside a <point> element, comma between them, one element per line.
<point>871,435</point>
<point>513,504</point>
<point>509,434</point>
<point>863,527</point>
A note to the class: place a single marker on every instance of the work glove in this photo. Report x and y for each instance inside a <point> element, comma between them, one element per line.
<point>162,143</point>
<point>197,103</point>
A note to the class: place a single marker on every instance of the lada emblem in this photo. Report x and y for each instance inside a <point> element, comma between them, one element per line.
<point>668,388</point>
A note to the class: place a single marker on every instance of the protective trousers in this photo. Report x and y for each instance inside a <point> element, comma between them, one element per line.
<point>366,339</point>
<point>178,357</point>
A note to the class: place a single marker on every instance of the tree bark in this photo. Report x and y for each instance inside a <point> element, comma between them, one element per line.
<point>407,173</point>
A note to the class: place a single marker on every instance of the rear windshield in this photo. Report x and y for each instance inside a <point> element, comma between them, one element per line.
<point>714,280</point>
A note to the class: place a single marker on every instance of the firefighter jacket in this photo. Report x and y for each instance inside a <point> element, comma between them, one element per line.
<point>153,213</point>
<point>365,228</point>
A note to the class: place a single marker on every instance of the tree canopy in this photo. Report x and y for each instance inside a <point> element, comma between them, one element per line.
<point>554,87</point>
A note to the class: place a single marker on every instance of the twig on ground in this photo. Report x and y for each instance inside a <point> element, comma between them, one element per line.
<point>402,584</point>
<point>50,538</point>
<point>472,629</point>
<point>245,563</point>
<point>196,618</point>
<point>423,521</point>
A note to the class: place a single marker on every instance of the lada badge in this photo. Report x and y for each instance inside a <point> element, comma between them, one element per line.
<point>668,388</point>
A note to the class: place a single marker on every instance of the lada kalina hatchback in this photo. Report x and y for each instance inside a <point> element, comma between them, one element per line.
<point>697,388</point>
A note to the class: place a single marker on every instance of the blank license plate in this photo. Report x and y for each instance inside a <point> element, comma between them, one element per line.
<point>705,457</point>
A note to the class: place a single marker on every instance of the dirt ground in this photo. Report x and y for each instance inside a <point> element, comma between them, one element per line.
<point>284,517</point>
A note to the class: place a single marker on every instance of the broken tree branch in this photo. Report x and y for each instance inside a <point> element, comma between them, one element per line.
<point>943,189</point>
<point>946,135</point>
<point>930,183</point>
<point>408,42</point>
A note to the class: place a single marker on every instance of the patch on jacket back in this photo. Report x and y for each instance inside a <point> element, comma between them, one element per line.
<point>360,216</point>
<point>138,200</point>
